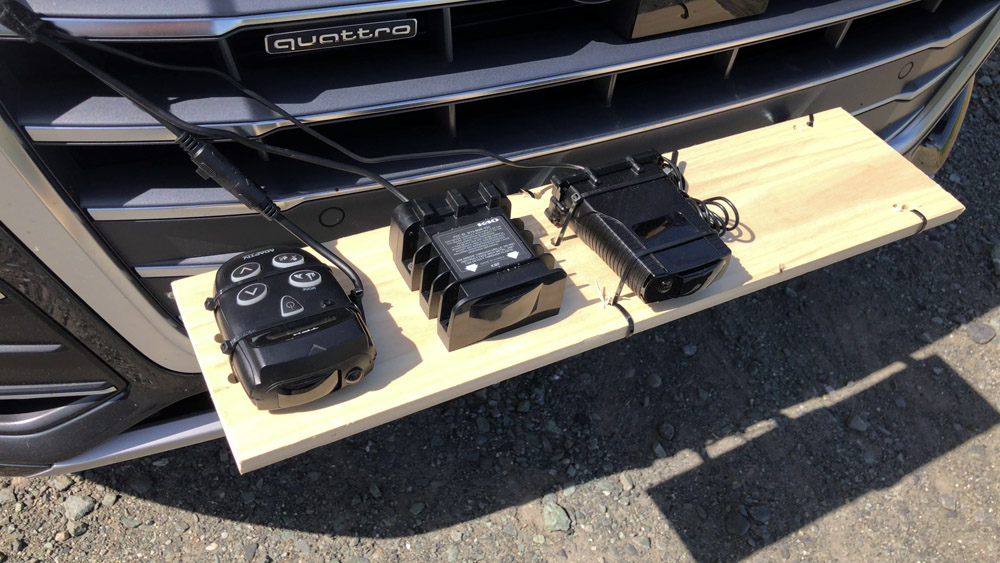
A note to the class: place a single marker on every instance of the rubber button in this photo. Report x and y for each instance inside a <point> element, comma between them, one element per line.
<point>245,272</point>
<point>305,278</point>
<point>251,294</point>
<point>288,260</point>
<point>289,306</point>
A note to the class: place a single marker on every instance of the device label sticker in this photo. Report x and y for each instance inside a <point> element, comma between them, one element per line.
<point>482,247</point>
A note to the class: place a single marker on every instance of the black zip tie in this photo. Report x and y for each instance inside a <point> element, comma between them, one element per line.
<point>20,19</point>
<point>628,319</point>
<point>923,221</point>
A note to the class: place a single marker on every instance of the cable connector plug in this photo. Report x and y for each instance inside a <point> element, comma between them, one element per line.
<point>20,19</point>
<point>212,165</point>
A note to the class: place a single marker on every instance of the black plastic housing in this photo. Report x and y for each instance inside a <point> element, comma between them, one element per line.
<point>478,272</point>
<point>640,222</point>
<point>300,340</point>
<point>642,18</point>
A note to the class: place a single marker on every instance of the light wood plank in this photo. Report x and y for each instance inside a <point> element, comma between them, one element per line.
<point>809,196</point>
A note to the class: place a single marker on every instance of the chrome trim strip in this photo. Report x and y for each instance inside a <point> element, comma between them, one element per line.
<point>143,442</point>
<point>192,28</point>
<point>917,130</point>
<point>57,394</point>
<point>226,209</point>
<point>34,211</point>
<point>179,271</point>
<point>29,348</point>
<point>151,133</point>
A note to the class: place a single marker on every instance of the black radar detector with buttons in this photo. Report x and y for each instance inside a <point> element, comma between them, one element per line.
<point>291,332</point>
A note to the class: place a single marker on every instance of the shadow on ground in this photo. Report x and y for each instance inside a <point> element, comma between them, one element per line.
<point>763,468</point>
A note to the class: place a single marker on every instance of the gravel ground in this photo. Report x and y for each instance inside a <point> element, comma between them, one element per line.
<point>850,414</point>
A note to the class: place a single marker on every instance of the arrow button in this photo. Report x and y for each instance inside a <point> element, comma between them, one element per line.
<point>245,272</point>
<point>251,294</point>
<point>289,306</point>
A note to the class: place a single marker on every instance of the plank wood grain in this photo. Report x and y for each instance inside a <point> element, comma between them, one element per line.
<point>809,195</point>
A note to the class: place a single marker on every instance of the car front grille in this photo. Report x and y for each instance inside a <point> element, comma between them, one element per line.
<point>546,78</point>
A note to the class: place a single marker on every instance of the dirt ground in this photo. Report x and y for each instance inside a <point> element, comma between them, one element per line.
<point>849,415</point>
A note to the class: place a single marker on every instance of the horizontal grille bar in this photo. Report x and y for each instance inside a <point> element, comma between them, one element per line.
<point>195,27</point>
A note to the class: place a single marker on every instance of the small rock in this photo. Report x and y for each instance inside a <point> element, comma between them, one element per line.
<point>631,550</point>
<point>978,450</point>
<point>900,402</point>
<point>212,546</point>
<point>452,553</point>
<point>654,380</point>
<point>130,522</point>
<point>482,425</point>
<point>455,536</point>
<point>538,538</point>
<point>736,524</point>
<point>555,518</point>
<point>61,482</point>
<point>980,333</point>
<point>955,178</point>
<point>926,338</point>
<point>627,484</point>
<point>552,428</point>
<point>949,503</point>
<point>666,431</point>
<point>62,535</point>
<point>629,373</point>
<point>689,350</point>
<point>416,508</point>
<point>77,507</point>
<point>77,529</point>
<point>645,542</point>
<point>524,406</point>
<point>109,500</point>
<point>141,484</point>
<point>248,497</point>
<point>659,451</point>
<point>7,496</point>
<point>18,545</point>
<point>250,551</point>
<point>760,513</point>
<point>181,527</point>
<point>858,423</point>
<point>985,81</point>
<point>375,491</point>
<point>937,320</point>
<point>790,292</point>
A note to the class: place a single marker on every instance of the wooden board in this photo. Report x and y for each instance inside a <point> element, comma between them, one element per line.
<point>809,196</point>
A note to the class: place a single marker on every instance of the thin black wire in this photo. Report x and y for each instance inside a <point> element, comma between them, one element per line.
<point>176,125</point>
<point>179,127</point>
<point>260,99</point>
<point>719,212</point>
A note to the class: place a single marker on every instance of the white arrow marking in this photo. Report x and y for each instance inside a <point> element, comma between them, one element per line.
<point>514,254</point>
<point>472,267</point>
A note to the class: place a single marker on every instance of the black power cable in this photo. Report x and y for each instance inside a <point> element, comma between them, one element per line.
<point>260,99</point>
<point>210,162</point>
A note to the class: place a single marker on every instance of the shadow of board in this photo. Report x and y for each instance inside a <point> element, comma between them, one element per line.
<point>731,505</point>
